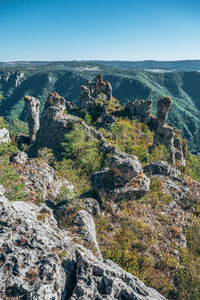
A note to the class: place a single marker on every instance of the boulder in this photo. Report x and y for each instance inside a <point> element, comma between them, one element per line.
<point>4,135</point>
<point>123,180</point>
<point>162,168</point>
<point>20,157</point>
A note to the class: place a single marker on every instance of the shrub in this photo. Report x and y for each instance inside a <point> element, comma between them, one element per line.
<point>12,182</point>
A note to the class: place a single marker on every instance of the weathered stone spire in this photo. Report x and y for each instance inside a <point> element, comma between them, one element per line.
<point>33,112</point>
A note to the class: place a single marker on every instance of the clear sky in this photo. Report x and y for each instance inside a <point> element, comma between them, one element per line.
<point>99,29</point>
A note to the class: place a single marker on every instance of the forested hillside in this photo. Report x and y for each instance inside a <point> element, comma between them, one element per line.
<point>39,78</point>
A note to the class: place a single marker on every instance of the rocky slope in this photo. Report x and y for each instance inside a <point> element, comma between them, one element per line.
<point>40,261</point>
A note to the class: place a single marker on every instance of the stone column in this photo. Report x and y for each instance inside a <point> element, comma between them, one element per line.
<point>164,105</point>
<point>33,112</point>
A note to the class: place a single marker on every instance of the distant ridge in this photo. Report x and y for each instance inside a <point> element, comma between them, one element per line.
<point>177,65</point>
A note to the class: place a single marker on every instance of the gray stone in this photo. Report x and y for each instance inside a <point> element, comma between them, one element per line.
<point>124,180</point>
<point>33,112</point>
<point>92,91</point>
<point>91,205</point>
<point>41,182</point>
<point>91,283</point>
<point>2,190</point>
<point>20,157</point>
<point>162,168</point>
<point>40,261</point>
<point>4,136</point>
<point>85,223</point>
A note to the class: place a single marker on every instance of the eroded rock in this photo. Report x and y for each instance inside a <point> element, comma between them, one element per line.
<point>85,225</point>
<point>32,105</point>
<point>4,135</point>
<point>123,180</point>
<point>162,168</point>
<point>41,182</point>
<point>40,261</point>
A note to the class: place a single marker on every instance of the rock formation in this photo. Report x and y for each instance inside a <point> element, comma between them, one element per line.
<point>162,168</point>
<point>167,136</point>
<point>139,110</point>
<point>124,180</point>
<point>4,135</point>
<point>40,261</point>
<point>164,134</point>
<point>93,89</point>
<point>55,124</point>
<point>19,157</point>
<point>84,224</point>
<point>32,105</point>
<point>41,181</point>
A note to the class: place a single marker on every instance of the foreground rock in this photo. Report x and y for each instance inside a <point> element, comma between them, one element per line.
<point>84,224</point>
<point>4,135</point>
<point>124,180</point>
<point>40,261</point>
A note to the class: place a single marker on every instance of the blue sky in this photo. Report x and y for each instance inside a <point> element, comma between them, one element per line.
<point>99,29</point>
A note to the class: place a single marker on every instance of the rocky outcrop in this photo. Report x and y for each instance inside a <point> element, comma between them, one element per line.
<point>95,280</point>
<point>92,91</point>
<point>161,168</point>
<point>33,112</point>
<point>19,157</point>
<point>84,224</point>
<point>41,182</point>
<point>40,261</point>
<point>139,110</point>
<point>4,135</point>
<point>56,123</point>
<point>123,180</point>
<point>164,134</point>
<point>167,136</point>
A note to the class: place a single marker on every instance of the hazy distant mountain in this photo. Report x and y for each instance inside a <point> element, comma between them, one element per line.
<point>39,78</point>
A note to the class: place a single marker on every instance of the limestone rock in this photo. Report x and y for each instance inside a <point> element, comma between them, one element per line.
<point>167,136</point>
<point>32,105</point>
<point>2,190</point>
<point>123,180</point>
<point>41,182</point>
<point>85,225</point>
<point>93,89</point>
<point>164,134</point>
<point>91,205</point>
<point>107,280</point>
<point>20,157</point>
<point>55,124</point>
<point>161,168</point>
<point>40,261</point>
<point>54,106</point>
<point>139,110</point>
<point>4,135</point>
